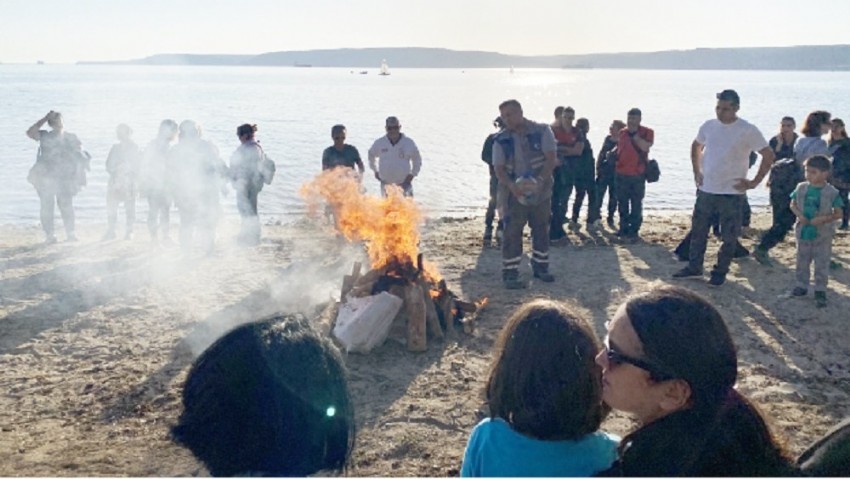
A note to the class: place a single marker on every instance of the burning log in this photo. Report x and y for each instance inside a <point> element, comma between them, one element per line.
<point>431,317</point>
<point>348,281</point>
<point>414,302</point>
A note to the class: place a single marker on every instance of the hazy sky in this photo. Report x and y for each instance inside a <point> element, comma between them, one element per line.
<point>67,31</point>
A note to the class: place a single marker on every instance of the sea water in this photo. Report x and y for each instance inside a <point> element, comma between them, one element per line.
<point>447,112</point>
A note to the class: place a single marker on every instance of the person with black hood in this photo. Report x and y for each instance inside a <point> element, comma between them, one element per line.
<point>487,157</point>
<point>811,144</point>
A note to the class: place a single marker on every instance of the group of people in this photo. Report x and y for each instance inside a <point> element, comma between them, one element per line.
<point>178,168</point>
<point>534,167</point>
<point>667,359</point>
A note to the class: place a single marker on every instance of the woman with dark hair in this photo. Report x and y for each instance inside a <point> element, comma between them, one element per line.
<point>269,398</point>
<point>669,360</point>
<point>544,396</point>
<point>839,148</point>
<point>817,124</point>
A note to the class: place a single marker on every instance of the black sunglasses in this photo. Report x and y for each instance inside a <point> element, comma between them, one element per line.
<point>616,358</point>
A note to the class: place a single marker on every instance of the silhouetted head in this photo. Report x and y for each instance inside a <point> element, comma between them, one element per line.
<point>268,398</point>
<point>55,120</point>
<point>189,129</point>
<point>123,132</point>
<point>246,132</point>
<point>168,130</point>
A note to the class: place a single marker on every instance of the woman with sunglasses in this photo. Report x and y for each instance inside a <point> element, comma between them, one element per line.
<point>670,361</point>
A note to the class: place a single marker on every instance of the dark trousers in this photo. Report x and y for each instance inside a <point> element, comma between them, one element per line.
<point>584,187</point>
<point>728,210</point>
<point>564,180</point>
<point>630,193</point>
<point>159,213</point>
<point>603,183</point>
<point>516,216</point>
<point>845,216</point>
<point>491,205</point>
<point>65,201</point>
<point>783,219</point>
<point>246,203</point>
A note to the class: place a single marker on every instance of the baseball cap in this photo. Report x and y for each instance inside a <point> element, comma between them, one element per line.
<point>729,95</point>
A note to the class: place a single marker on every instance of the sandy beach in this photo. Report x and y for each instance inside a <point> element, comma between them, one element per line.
<point>96,338</point>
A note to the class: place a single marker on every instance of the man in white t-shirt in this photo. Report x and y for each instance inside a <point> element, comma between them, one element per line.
<point>720,157</point>
<point>398,158</point>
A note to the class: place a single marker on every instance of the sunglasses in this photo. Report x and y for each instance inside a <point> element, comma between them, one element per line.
<point>616,358</point>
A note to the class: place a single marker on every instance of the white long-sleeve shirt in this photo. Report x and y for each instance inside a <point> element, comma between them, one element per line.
<point>395,162</point>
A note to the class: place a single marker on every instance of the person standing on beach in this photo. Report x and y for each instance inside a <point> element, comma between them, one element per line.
<point>58,172</point>
<point>248,182</point>
<point>199,172</point>
<point>122,164</point>
<point>398,158</point>
<point>720,157</point>
<point>341,153</point>
<point>570,144</point>
<point>584,179</point>
<point>524,159</point>
<point>487,157</point>
<point>605,173</point>
<point>817,124</point>
<point>155,181</point>
<point>817,206</point>
<point>839,147</point>
<point>633,144</point>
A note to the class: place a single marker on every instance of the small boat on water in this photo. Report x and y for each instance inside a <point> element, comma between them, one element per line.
<point>364,72</point>
<point>385,69</point>
<point>302,65</point>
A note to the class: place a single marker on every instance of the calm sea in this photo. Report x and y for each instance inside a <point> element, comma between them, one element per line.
<point>447,112</point>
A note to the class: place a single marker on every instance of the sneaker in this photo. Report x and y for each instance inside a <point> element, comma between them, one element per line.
<point>820,299</point>
<point>834,265</point>
<point>544,276</point>
<point>798,292</point>
<point>498,237</point>
<point>488,236</point>
<point>688,272</point>
<point>762,257</point>
<point>595,226</point>
<point>574,226</point>
<point>512,280</point>
<point>610,222</point>
<point>717,279</point>
<point>844,227</point>
<point>50,240</point>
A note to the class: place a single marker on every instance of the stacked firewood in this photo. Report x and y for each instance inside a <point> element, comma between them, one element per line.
<point>429,307</point>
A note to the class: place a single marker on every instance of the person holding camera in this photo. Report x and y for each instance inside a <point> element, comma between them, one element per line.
<point>58,173</point>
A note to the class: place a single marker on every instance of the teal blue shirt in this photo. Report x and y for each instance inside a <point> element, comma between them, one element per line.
<point>496,450</point>
<point>811,206</point>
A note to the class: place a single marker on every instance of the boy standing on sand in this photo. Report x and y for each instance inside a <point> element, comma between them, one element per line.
<point>817,206</point>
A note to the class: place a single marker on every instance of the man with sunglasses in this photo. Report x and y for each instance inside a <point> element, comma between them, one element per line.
<point>341,153</point>
<point>398,158</point>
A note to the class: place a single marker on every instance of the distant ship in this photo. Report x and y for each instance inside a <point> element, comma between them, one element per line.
<point>302,65</point>
<point>385,70</point>
<point>40,62</point>
<point>364,72</point>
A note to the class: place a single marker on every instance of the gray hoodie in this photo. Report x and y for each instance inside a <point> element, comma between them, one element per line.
<point>808,146</point>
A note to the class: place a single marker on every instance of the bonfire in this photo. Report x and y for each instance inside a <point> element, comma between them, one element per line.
<point>389,229</point>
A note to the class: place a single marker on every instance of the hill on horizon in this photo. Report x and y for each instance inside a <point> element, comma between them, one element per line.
<point>816,57</point>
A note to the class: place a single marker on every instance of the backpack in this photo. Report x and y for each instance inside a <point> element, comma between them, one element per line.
<point>267,168</point>
<point>785,174</point>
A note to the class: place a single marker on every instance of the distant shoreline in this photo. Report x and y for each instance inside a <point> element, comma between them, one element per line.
<point>795,58</point>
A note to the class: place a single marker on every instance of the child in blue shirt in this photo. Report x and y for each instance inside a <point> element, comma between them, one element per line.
<point>545,398</point>
<point>817,206</point>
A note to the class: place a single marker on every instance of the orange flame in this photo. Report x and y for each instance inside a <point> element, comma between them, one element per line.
<point>388,226</point>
